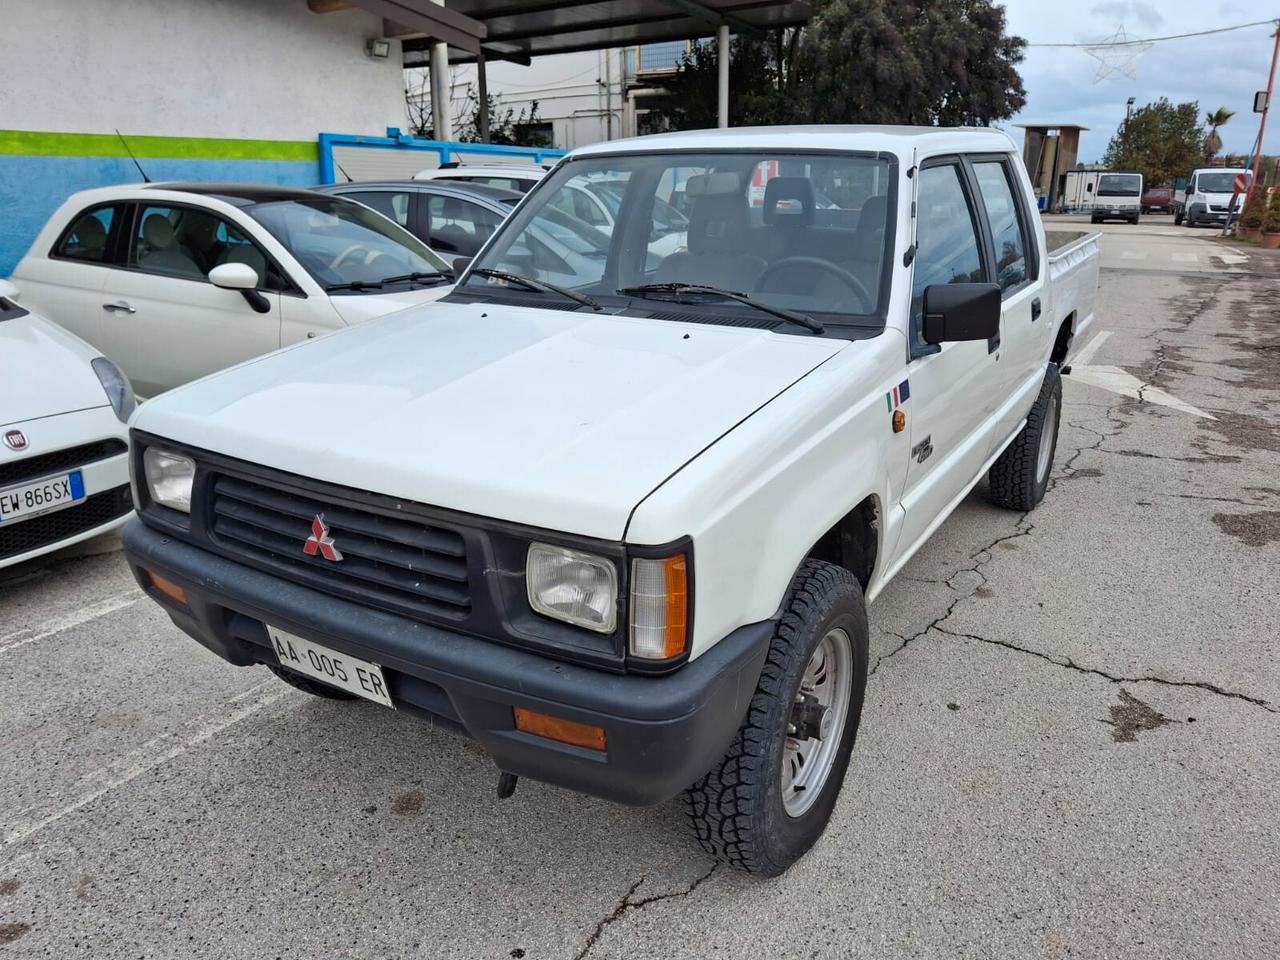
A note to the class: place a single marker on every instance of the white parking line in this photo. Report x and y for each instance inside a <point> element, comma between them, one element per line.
<point>1089,349</point>
<point>1185,257</point>
<point>57,624</point>
<point>147,757</point>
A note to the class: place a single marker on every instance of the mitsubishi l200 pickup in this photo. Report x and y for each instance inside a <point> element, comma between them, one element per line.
<point>615,509</point>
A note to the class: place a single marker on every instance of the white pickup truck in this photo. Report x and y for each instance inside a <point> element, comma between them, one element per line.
<point>618,519</point>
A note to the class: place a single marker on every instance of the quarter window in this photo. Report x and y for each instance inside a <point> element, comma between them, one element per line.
<point>947,247</point>
<point>86,239</point>
<point>1008,234</point>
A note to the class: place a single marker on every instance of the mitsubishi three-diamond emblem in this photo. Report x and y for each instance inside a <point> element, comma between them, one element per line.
<point>320,542</point>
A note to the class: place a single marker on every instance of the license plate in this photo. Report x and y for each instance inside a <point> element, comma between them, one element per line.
<point>41,496</point>
<point>342,670</point>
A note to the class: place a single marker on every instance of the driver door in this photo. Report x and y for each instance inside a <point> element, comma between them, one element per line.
<point>163,321</point>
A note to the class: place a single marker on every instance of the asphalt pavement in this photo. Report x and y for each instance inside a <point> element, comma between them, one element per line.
<point>1070,746</point>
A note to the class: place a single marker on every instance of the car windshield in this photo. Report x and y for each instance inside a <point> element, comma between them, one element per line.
<point>1216,182</point>
<point>1119,185</point>
<point>807,233</point>
<point>340,242</point>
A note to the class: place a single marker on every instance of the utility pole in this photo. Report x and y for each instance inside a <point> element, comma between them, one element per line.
<point>1262,126</point>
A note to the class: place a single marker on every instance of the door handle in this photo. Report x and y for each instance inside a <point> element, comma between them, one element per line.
<point>120,306</point>
<point>1035,309</point>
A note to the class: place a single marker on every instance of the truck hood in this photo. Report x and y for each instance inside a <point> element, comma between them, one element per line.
<point>550,418</point>
<point>44,371</point>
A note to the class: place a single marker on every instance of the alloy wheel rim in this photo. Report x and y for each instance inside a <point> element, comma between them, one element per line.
<point>806,764</point>
<point>1047,434</point>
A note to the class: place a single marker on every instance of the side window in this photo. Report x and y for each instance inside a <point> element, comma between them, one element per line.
<point>457,226</point>
<point>86,238</point>
<point>588,210</point>
<point>392,205</point>
<point>1008,232</point>
<point>947,248</point>
<point>187,243</point>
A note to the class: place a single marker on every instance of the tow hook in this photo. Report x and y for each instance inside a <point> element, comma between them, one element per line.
<point>810,718</point>
<point>506,784</point>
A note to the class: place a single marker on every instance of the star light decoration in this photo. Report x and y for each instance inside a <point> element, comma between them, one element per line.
<point>1116,54</point>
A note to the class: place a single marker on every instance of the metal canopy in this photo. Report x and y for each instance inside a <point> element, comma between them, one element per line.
<point>520,30</point>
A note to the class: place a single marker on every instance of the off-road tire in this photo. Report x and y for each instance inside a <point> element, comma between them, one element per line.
<point>736,810</point>
<point>307,685</point>
<point>1015,482</point>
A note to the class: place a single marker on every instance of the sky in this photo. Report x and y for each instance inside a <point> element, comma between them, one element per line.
<point>1223,70</point>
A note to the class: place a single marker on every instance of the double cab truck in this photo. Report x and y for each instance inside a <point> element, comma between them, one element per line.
<point>1117,196</point>
<point>618,517</point>
<point>1208,196</point>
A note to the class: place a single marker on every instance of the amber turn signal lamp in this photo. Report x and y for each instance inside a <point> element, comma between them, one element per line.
<point>167,588</point>
<point>564,731</point>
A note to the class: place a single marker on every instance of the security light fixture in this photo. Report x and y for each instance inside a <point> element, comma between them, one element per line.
<point>378,49</point>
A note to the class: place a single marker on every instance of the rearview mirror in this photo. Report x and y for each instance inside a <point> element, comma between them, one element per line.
<point>234,276</point>
<point>460,264</point>
<point>961,311</point>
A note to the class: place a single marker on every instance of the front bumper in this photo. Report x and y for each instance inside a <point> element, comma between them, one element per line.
<point>1200,213</point>
<point>662,733</point>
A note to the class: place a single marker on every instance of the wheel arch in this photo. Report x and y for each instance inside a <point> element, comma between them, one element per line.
<point>854,541</point>
<point>1062,339</point>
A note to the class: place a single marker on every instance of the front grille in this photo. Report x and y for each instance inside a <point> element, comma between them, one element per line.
<point>21,536</point>
<point>398,563</point>
<point>33,468</point>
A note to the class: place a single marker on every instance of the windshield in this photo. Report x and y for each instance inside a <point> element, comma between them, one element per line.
<point>808,233</point>
<point>1216,182</point>
<point>1119,185</point>
<point>341,242</point>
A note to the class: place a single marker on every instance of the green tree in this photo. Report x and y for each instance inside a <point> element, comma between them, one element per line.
<point>505,126</point>
<point>1213,142</point>
<point>1162,141</point>
<point>862,61</point>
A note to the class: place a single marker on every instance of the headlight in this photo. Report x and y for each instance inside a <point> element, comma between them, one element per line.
<point>575,587</point>
<point>169,478</point>
<point>117,386</point>
<point>659,607</point>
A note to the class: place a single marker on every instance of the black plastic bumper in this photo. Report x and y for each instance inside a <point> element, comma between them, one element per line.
<point>662,733</point>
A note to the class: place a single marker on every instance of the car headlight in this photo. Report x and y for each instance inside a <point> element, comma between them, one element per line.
<point>117,387</point>
<point>169,478</point>
<point>659,607</point>
<point>575,587</point>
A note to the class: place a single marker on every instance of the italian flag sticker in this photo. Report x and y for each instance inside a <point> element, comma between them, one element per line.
<point>897,396</point>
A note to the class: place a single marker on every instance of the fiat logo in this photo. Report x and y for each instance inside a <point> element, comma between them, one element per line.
<point>15,440</point>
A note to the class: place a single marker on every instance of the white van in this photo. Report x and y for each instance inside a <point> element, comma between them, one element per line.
<point>1117,196</point>
<point>1208,196</point>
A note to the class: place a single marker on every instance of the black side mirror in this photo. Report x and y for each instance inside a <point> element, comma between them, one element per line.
<point>460,264</point>
<point>961,311</point>
<point>1088,188</point>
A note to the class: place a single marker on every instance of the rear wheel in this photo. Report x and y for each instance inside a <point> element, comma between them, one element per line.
<point>1020,477</point>
<point>770,797</point>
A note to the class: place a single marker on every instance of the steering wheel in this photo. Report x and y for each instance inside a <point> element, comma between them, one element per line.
<point>827,267</point>
<point>340,260</point>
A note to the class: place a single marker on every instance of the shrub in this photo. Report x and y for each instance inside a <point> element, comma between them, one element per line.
<point>1271,222</point>
<point>1255,210</point>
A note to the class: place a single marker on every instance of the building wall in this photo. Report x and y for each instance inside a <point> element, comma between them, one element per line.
<point>200,89</point>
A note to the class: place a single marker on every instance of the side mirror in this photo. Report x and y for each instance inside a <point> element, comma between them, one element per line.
<point>1088,188</point>
<point>460,264</point>
<point>234,276</point>
<point>961,311</point>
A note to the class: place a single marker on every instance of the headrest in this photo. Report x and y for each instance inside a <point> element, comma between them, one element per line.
<point>796,189</point>
<point>90,232</point>
<point>873,212</point>
<point>157,231</point>
<point>453,209</point>
<point>719,223</point>
<point>710,184</point>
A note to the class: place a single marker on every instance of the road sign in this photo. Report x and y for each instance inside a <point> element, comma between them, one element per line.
<point>1241,183</point>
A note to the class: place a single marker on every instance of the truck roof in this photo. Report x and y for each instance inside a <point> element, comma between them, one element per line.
<point>896,139</point>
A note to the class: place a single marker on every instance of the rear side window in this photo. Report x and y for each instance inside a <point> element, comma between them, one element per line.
<point>458,227</point>
<point>86,238</point>
<point>1008,233</point>
<point>391,204</point>
<point>948,250</point>
<point>505,183</point>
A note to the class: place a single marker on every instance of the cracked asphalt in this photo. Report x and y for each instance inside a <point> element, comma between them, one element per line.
<point>1070,745</point>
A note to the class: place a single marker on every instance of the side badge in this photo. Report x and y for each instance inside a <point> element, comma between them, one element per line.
<point>923,450</point>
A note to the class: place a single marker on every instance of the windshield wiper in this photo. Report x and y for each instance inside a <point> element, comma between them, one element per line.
<point>539,286</point>
<point>355,285</point>
<point>418,275</point>
<point>801,319</point>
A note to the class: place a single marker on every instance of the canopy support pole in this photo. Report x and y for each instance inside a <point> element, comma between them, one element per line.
<point>722,61</point>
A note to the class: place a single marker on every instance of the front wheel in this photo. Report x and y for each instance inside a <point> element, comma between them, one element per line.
<point>1020,476</point>
<point>766,802</point>
<point>1177,219</point>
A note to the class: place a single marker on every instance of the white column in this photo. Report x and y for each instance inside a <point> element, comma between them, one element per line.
<point>441,90</point>
<point>722,55</point>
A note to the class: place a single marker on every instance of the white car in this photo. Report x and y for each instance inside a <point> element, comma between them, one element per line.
<point>64,464</point>
<point>518,177</point>
<point>619,519</point>
<point>175,281</point>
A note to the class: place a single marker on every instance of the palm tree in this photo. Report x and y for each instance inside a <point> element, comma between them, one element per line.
<point>1213,142</point>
